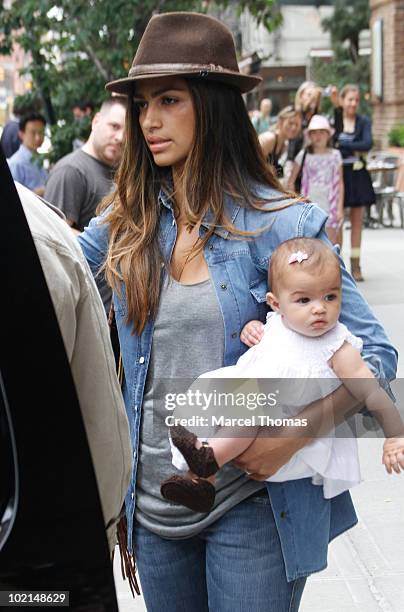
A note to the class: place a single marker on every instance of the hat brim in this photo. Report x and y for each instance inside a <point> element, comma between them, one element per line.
<point>243,82</point>
<point>330,130</point>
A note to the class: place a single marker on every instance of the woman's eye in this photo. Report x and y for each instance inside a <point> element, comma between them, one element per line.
<point>140,105</point>
<point>303,300</point>
<point>168,101</point>
<point>331,297</point>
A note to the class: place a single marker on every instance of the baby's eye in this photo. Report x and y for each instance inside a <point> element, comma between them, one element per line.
<point>330,297</point>
<point>303,300</point>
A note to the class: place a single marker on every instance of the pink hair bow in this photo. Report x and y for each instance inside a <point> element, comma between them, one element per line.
<point>299,256</point>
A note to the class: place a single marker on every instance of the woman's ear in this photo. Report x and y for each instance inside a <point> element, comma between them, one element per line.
<point>272,301</point>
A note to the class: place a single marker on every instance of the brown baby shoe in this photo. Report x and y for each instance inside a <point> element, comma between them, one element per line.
<point>197,494</point>
<point>201,461</point>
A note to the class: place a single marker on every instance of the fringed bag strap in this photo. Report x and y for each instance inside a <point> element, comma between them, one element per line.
<point>128,565</point>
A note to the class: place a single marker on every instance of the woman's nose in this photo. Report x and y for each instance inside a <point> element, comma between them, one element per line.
<point>151,117</point>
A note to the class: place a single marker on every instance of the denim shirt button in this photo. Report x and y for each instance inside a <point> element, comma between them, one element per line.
<point>223,285</point>
<point>283,514</point>
<point>132,495</point>
<point>141,360</point>
<point>211,247</point>
<point>234,335</point>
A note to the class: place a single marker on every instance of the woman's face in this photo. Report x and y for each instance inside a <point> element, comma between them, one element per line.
<point>307,96</point>
<point>350,103</point>
<point>291,126</point>
<point>166,118</point>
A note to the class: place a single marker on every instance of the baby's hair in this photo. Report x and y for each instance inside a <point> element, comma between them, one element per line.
<point>319,254</point>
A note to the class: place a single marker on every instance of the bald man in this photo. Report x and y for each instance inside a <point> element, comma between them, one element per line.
<point>80,180</point>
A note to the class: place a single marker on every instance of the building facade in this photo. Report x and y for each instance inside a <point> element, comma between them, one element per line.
<point>286,53</point>
<point>387,25</point>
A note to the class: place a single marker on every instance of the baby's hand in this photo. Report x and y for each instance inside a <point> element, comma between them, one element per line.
<point>252,333</point>
<point>393,454</point>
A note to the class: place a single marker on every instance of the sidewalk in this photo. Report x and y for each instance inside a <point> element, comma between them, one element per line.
<point>366,565</point>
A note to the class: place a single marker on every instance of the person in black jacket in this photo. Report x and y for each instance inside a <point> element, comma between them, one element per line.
<point>353,137</point>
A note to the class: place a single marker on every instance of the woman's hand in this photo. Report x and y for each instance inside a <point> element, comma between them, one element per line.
<point>252,333</point>
<point>334,97</point>
<point>266,455</point>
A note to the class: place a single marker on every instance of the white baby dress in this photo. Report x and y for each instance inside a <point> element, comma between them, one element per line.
<point>282,353</point>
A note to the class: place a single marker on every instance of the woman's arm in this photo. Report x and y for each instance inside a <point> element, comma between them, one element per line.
<point>275,446</point>
<point>293,176</point>
<point>362,141</point>
<point>94,244</point>
<point>267,141</point>
<point>378,352</point>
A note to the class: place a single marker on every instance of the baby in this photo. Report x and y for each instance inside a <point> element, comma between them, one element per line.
<point>302,339</point>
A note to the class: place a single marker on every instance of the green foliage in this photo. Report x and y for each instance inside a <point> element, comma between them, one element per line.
<point>76,47</point>
<point>346,23</point>
<point>347,66</point>
<point>64,133</point>
<point>396,136</point>
<point>26,103</point>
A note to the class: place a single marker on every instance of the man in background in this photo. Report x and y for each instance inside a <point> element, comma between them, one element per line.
<point>83,108</point>
<point>25,165</point>
<point>80,180</point>
<point>85,333</point>
<point>82,112</point>
<point>262,120</point>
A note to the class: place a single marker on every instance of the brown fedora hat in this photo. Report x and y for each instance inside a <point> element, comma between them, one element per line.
<point>188,45</point>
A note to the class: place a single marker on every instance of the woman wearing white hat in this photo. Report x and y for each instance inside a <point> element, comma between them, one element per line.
<point>322,178</point>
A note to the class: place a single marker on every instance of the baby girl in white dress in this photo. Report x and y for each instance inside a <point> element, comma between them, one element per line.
<point>302,339</point>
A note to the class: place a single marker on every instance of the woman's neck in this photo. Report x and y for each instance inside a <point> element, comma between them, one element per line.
<point>349,116</point>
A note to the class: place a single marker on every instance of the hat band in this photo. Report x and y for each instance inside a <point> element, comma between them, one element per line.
<point>203,69</point>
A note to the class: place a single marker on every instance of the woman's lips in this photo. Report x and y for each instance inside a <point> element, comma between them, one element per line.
<point>159,145</point>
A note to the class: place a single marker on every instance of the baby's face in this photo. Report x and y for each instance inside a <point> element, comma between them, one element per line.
<point>309,304</point>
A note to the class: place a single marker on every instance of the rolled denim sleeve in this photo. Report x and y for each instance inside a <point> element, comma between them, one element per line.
<point>94,244</point>
<point>356,314</point>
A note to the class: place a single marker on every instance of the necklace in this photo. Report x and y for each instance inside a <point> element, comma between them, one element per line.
<point>187,258</point>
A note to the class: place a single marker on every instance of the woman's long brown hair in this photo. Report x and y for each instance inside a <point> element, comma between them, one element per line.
<point>226,156</point>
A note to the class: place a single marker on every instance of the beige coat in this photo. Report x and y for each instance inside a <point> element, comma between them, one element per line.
<point>84,329</point>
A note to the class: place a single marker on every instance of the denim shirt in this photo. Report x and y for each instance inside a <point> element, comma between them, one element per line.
<point>306,521</point>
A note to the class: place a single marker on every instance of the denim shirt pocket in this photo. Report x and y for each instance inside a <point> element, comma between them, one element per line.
<point>258,289</point>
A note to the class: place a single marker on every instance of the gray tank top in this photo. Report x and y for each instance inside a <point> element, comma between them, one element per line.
<point>188,340</point>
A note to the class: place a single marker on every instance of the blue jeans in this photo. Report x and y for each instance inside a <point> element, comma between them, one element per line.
<point>234,565</point>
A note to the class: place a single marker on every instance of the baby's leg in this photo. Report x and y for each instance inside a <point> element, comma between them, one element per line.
<point>226,449</point>
<point>204,458</point>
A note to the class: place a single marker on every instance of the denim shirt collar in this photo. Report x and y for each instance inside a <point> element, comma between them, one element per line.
<point>230,205</point>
